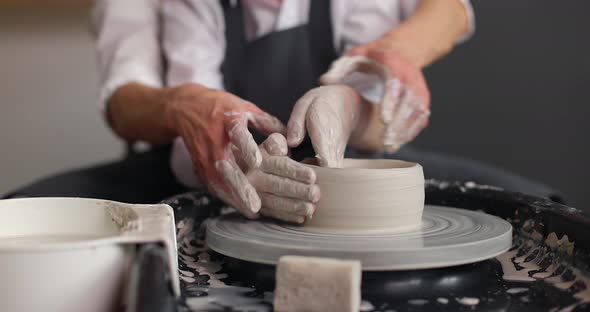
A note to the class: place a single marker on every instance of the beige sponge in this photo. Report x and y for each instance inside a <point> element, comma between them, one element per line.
<point>317,284</point>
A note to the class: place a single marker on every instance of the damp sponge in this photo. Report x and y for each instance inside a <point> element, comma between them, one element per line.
<point>317,284</point>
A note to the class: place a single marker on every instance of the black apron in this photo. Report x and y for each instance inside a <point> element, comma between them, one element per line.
<point>274,71</point>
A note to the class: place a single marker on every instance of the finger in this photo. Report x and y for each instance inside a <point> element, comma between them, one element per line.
<point>391,98</point>
<point>281,215</point>
<point>240,136</point>
<point>339,69</point>
<point>286,205</point>
<point>237,157</point>
<point>328,140</point>
<point>267,124</point>
<point>288,168</point>
<point>238,188</point>
<point>296,124</point>
<point>396,133</point>
<point>262,121</point>
<point>347,65</point>
<point>407,112</point>
<point>275,145</point>
<point>218,191</point>
<point>358,50</point>
<point>417,123</point>
<point>280,186</point>
<point>391,142</point>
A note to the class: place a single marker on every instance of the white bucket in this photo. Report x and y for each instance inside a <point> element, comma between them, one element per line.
<point>73,254</point>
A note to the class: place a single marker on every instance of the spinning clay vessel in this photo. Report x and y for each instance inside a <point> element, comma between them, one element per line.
<point>369,195</point>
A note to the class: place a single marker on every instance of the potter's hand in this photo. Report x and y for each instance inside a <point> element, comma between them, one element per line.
<point>329,114</point>
<point>214,126</point>
<point>406,100</point>
<point>287,188</point>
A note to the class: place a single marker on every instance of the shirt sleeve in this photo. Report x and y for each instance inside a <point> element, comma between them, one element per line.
<point>194,42</point>
<point>359,22</point>
<point>127,44</point>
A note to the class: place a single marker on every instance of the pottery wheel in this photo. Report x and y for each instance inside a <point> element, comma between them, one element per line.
<point>447,237</point>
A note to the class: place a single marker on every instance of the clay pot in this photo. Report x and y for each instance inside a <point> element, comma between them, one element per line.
<point>369,195</point>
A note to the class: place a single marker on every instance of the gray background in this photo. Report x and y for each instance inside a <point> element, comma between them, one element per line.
<point>516,95</point>
<point>49,117</point>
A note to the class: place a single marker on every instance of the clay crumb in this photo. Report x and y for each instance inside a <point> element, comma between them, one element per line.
<point>470,301</point>
<point>417,301</point>
<point>442,300</point>
<point>366,306</point>
<point>516,290</point>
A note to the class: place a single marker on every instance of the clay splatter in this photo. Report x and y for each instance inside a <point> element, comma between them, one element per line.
<point>470,301</point>
<point>192,255</point>
<point>417,301</point>
<point>462,186</point>
<point>366,306</point>
<point>442,300</point>
<point>517,290</point>
<point>538,258</point>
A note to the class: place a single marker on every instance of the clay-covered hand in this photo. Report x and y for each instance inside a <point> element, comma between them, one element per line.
<point>214,126</point>
<point>286,188</point>
<point>406,100</point>
<point>329,114</point>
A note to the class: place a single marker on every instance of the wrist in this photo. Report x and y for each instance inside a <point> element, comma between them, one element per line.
<point>176,100</point>
<point>404,43</point>
<point>431,31</point>
<point>135,112</point>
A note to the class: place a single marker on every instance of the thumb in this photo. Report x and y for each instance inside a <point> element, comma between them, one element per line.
<point>296,124</point>
<point>328,138</point>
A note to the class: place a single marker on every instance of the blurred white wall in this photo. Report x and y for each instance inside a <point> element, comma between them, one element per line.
<point>49,120</point>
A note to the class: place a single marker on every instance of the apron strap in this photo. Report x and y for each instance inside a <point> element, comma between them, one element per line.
<point>321,34</point>
<point>235,45</point>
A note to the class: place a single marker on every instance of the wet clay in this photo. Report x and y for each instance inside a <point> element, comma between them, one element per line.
<point>539,258</point>
<point>369,195</point>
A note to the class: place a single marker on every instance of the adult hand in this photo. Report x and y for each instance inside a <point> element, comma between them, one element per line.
<point>406,100</point>
<point>286,188</point>
<point>329,114</point>
<point>214,126</point>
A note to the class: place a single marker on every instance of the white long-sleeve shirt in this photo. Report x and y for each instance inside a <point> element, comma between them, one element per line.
<point>133,37</point>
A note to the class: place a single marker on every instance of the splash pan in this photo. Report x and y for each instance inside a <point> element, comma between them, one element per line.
<point>74,253</point>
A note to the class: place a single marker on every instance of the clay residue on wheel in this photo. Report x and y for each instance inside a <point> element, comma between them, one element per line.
<point>535,257</point>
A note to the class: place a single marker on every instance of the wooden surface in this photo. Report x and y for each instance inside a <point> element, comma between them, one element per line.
<point>36,4</point>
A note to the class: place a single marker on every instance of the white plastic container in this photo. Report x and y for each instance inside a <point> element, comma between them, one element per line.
<point>73,254</point>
